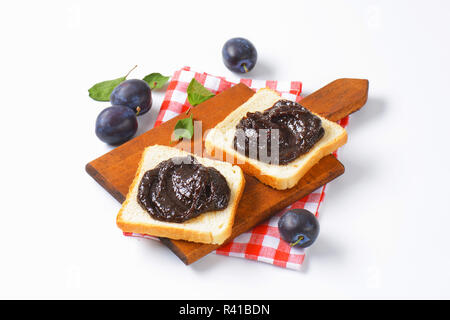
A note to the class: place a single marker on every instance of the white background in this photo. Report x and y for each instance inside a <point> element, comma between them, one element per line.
<point>384,224</point>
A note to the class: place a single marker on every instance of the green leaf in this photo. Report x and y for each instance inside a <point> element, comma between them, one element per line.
<point>102,91</point>
<point>197,93</point>
<point>156,80</point>
<point>184,128</point>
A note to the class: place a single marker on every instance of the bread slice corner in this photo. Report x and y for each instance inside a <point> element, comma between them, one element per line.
<point>219,143</point>
<point>212,227</point>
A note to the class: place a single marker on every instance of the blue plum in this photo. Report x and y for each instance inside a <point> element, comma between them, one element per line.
<point>116,124</point>
<point>135,94</point>
<point>299,227</point>
<point>239,55</point>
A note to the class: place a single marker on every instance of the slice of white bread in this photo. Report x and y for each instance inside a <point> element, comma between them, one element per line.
<point>209,227</point>
<point>219,143</point>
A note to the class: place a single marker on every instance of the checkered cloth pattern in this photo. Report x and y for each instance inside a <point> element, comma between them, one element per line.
<point>263,242</point>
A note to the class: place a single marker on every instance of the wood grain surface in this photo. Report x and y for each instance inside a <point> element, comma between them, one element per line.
<point>115,170</point>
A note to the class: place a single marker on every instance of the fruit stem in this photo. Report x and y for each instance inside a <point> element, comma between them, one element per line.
<point>296,242</point>
<point>245,67</point>
<point>130,71</point>
<point>138,110</point>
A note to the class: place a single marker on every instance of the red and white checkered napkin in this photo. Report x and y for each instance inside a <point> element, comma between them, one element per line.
<point>262,243</point>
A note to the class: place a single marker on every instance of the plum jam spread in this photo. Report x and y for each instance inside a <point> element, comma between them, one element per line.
<point>180,189</point>
<point>298,131</point>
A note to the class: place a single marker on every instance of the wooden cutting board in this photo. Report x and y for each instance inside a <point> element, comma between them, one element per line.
<point>116,169</point>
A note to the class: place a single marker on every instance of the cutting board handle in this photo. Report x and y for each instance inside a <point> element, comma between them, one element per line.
<point>338,99</point>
